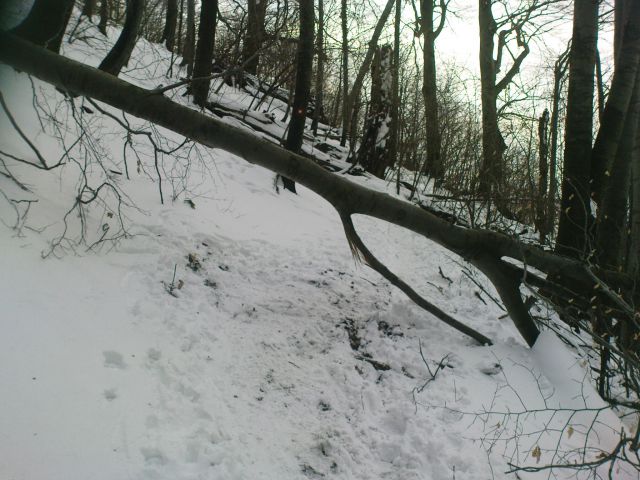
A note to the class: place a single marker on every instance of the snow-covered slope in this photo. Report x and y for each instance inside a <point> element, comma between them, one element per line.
<point>269,353</point>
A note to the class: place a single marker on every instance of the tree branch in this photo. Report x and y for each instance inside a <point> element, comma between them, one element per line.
<point>480,247</point>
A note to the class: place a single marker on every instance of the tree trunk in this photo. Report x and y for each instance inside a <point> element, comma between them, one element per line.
<point>615,187</point>
<point>89,8</point>
<point>204,51</point>
<point>352,98</point>
<point>433,165</point>
<point>304,73</point>
<point>373,154</point>
<point>119,55</point>
<point>345,73</point>
<point>612,225</point>
<point>493,145</point>
<point>188,52</point>
<point>559,71</point>
<point>169,32</point>
<point>575,208</point>
<point>633,246</point>
<point>613,119</point>
<point>543,174</point>
<point>104,16</point>
<point>46,23</point>
<point>256,11</point>
<point>318,112</point>
<point>394,134</point>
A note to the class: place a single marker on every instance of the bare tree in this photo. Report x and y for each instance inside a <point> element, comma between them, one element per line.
<point>204,51</point>
<point>350,112</point>
<point>612,152</point>
<point>433,163</point>
<point>189,48</point>
<point>345,72</point>
<point>496,35</point>
<point>256,11</point>
<point>575,207</point>
<point>319,93</point>
<point>374,153</point>
<point>169,33</point>
<point>304,72</point>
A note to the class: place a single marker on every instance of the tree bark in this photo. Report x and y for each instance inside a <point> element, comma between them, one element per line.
<point>575,208</point>
<point>304,73</point>
<point>169,32</point>
<point>204,52</point>
<point>46,23</point>
<point>119,55</point>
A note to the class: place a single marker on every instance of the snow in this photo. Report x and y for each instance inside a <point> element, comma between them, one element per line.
<point>247,371</point>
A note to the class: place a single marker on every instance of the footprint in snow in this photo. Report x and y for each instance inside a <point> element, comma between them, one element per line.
<point>110,394</point>
<point>153,456</point>
<point>113,359</point>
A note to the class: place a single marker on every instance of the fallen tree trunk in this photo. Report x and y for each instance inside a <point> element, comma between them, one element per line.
<point>483,248</point>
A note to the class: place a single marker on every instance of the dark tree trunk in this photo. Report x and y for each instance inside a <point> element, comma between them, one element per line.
<point>373,154</point>
<point>46,23</point>
<point>104,16</point>
<point>204,51</point>
<point>543,174</point>
<point>433,165</point>
<point>633,246</point>
<point>256,11</point>
<point>613,120</point>
<point>559,72</point>
<point>89,8</point>
<point>611,190</point>
<point>351,107</point>
<point>318,112</point>
<point>304,73</point>
<point>575,208</point>
<point>612,222</point>
<point>169,33</point>
<point>188,51</point>
<point>345,73</point>
<point>180,21</point>
<point>119,55</point>
<point>394,135</point>
<point>493,146</point>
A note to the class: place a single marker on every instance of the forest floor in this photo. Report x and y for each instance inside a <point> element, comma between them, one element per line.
<point>231,334</point>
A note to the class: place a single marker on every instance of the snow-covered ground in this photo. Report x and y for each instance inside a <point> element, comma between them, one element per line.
<point>271,354</point>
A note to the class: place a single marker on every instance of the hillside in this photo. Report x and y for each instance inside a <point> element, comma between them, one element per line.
<point>228,333</point>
